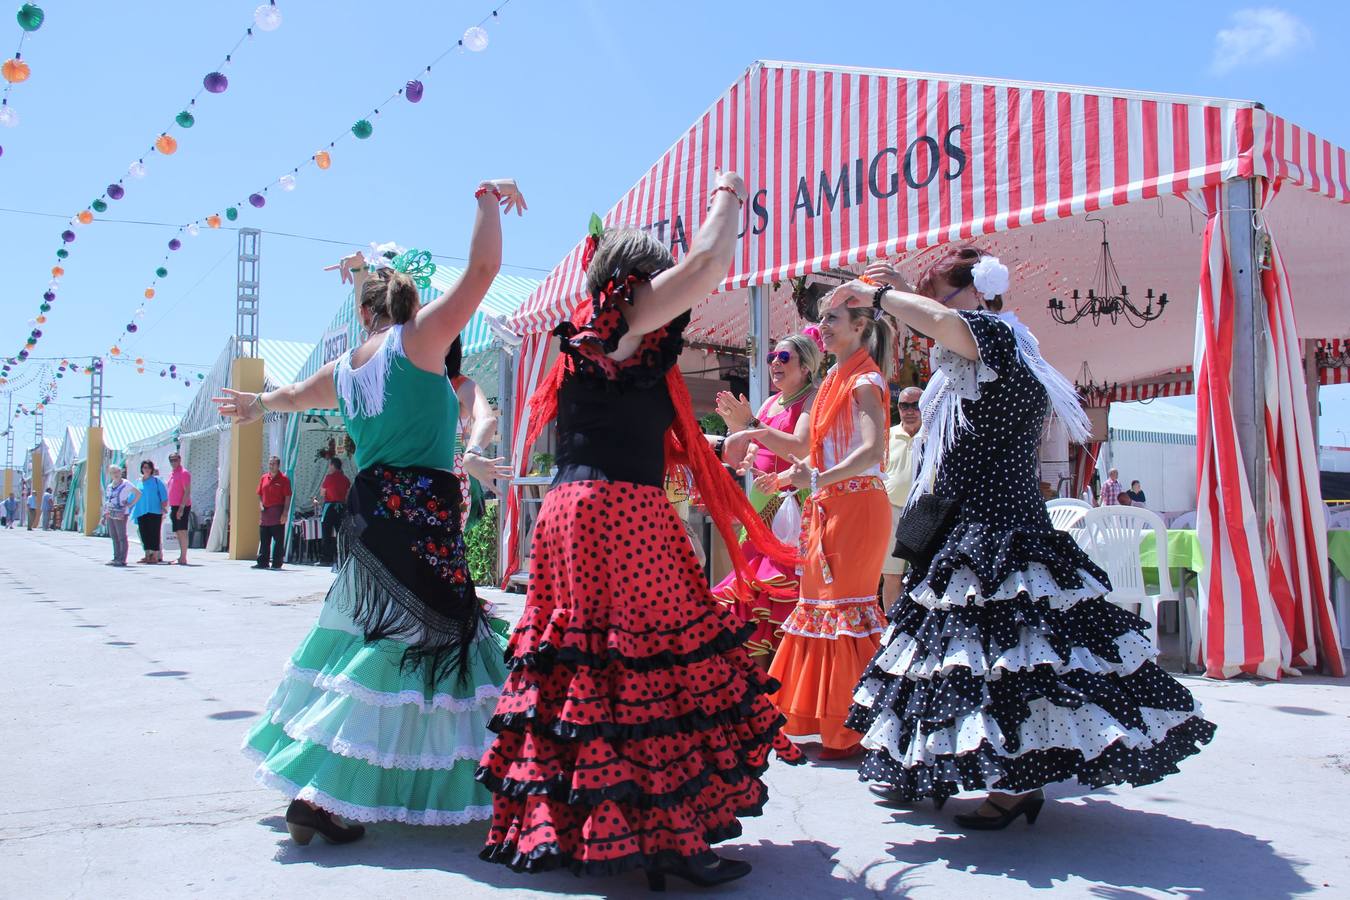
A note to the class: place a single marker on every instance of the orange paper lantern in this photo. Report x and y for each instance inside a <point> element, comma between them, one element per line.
<point>85,217</point>
<point>115,351</point>
<point>166,144</point>
<point>140,371</point>
<point>322,159</point>
<point>57,271</point>
<point>15,70</point>
<point>140,361</point>
<point>41,320</point>
<point>149,293</point>
<point>213,221</point>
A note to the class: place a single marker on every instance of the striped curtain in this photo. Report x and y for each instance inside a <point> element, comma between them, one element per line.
<point>1257,611</point>
<point>1296,528</point>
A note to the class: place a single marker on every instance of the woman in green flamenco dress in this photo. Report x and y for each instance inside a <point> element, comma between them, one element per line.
<point>382,711</point>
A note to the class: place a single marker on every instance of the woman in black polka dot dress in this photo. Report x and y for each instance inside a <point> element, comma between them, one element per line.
<point>1004,667</point>
<point>633,728</point>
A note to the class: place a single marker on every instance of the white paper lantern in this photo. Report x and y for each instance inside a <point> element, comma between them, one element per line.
<point>287,182</point>
<point>267,17</point>
<point>193,230</point>
<point>136,169</point>
<point>8,117</point>
<point>476,39</point>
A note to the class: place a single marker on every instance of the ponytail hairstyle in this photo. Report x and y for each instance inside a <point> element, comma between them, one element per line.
<point>390,295</point>
<point>956,267</point>
<point>621,252</point>
<point>878,337</point>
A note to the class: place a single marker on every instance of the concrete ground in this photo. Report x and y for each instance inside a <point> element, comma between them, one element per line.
<point>124,695</point>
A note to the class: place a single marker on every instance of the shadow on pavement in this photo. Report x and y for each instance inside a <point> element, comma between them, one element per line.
<point>1116,848</point>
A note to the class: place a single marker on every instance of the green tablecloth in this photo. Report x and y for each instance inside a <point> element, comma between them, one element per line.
<point>1183,550</point>
<point>1338,551</point>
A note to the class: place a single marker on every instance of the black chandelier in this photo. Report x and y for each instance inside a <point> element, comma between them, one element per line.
<point>1327,359</point>
<point>1107,297</point>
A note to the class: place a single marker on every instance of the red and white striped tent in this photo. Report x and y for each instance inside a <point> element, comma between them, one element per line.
<point>846,165</point>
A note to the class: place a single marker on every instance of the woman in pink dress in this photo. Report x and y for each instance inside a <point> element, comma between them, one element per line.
<point>770,599</point>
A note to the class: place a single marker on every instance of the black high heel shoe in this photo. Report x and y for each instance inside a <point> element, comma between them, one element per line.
<point>1029,806</point>
<point>721,872</point>
<point>303,820</point>
<point>892,796</point>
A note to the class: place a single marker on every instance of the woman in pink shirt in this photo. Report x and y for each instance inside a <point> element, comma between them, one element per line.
<point>180,503</point>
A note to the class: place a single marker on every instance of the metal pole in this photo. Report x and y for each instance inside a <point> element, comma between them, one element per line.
<point>506,408</point>
<point>95,392</point>
<point>756,344</point>
<point>1249,334</point>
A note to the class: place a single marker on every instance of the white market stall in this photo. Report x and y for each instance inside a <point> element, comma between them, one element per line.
<point>845,165</point>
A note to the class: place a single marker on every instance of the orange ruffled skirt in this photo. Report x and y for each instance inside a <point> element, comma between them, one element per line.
<point>835,629</point>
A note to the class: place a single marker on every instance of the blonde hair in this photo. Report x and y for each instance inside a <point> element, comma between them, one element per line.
<point>808,352</point>
<point>878,337</point>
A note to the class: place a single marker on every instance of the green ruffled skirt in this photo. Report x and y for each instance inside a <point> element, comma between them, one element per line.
<point>347,731</point>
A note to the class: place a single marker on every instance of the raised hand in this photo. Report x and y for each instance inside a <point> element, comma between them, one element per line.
<point>852,294</point>
<point>354,263</point>
<point>241,406</point>
<point>511,197</point>
<point>884,273</point>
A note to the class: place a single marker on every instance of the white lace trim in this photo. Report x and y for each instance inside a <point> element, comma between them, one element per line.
<point>1089,729</point>
<point>341,684</point>
<point>899,658</point>
<point>964,589</point>
<point>954,379</point>
<point>842,632</point>
<point>363,389</point>
<point>373,755</point>
<point>354,813</point>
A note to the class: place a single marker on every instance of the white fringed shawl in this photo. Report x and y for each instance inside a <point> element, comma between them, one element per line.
<point>362,388</point>
<point>956,378</point>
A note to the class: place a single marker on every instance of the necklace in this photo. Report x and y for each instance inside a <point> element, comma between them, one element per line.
<point>785,402</point>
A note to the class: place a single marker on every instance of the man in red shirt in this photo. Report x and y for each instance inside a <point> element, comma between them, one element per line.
<point>274,493</point>
<point>336,484</point>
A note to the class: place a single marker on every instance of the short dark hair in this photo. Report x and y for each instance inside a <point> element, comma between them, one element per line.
<point>335,463</point>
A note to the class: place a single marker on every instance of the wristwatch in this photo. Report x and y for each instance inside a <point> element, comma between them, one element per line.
<point>475,450</point>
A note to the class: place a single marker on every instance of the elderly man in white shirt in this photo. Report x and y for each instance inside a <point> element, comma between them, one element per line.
<point>899,476</point>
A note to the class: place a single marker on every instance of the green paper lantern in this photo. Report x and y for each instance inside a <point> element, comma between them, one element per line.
<point>30,17</point>
<point>62,253</point>
<point>231,213</point>
<point>99,206</point>
<point>363,129</point>
<point>161,272</point>
<point>185,119</point>
<point>45,307</point>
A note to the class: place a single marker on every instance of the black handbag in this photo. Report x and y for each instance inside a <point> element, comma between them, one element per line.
<point>922,526</point>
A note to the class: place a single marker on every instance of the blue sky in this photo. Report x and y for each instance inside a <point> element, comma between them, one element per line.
<point>575,99</point>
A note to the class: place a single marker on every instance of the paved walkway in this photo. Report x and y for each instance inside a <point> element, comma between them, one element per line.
<point>124,695</point>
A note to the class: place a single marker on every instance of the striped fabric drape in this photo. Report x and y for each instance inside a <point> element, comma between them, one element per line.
<point>1296,528</point>
<point>1264,614</point>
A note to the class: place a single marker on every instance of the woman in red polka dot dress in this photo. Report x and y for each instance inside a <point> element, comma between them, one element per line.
<point>633,728</point>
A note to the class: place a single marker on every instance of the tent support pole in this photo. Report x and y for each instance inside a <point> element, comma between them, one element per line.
<point>756,345</point>
<point>1249,338</point>
<point>1310,375</point>
<point>506,414</point>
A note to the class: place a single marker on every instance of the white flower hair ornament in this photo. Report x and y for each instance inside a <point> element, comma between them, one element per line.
<point>991,277</point>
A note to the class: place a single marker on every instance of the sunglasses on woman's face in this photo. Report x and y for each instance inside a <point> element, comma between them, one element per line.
<point>782,356</point>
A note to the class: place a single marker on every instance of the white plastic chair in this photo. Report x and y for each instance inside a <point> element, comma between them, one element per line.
<point>1185,520</point>
<point>1066,514</point>
<point>1112,535</point>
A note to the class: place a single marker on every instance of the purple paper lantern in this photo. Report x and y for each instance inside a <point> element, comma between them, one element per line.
<point>115,192</point>
<point>216,83</point>
<point>49,296</point>
<point>175,244</point>
<point>68,236</point>
<point>257,200</point>
<point>413,91</point>
<point>131,327</point>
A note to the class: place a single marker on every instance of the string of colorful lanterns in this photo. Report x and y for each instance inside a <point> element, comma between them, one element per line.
<point>475,39</point>
<point>14,70</point>
<point>188,374</point>
<point>265,18</point>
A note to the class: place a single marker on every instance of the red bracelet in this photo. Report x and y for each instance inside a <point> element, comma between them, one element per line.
<point>730,190</point>
<point>487,190</point>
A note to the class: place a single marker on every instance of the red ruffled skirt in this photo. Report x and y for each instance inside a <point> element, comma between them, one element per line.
<point>633,728</point>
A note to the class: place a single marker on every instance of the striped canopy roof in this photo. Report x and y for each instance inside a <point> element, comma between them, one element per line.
<point>845,164</point>
<point>123,427</point>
